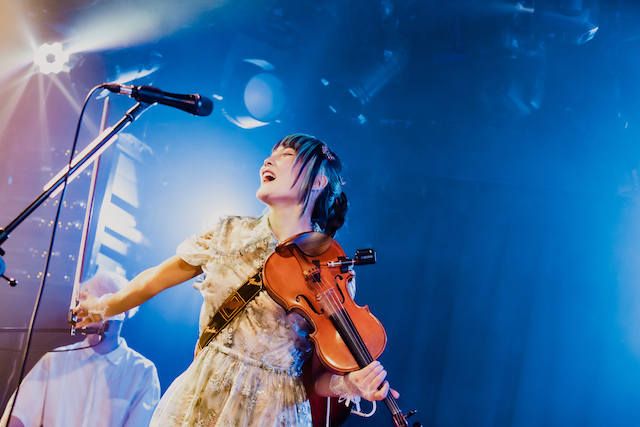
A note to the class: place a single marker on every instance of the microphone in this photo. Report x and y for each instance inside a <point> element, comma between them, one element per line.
<point>194,104</point>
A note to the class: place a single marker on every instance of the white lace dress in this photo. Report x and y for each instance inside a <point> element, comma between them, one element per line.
<point>249,375</point>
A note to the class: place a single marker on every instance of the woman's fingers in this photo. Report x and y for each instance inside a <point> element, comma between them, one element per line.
<point>363,379</point>
<point>383,392</point>
<point>83,322</point>
<point>82,310</point>
<point>394,393</point>
<point>370,383</point>
<point>85,299</point>
<point>369,372</point>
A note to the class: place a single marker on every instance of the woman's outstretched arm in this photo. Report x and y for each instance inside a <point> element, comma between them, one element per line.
<point>145,285</point>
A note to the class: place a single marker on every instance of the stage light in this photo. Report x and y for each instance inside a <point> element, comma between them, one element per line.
<point>255,95</point>
<point>574,29</point>
<point>51,58</point>
<point>561,21</point>
<point>348,94</point>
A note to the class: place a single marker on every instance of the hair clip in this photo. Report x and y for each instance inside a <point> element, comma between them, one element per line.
<point>327,153</point>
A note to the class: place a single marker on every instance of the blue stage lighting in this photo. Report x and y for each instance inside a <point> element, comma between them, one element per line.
<point>255,95</point>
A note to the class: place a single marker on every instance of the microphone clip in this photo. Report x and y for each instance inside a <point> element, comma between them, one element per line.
<point>101,330</point>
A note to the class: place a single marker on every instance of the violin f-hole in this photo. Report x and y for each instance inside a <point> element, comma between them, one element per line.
<point>309,303</point>
<point>337,280</point>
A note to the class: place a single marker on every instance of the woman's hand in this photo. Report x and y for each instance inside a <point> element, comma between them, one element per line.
<point>364,383</point>
<point>144,286</point>
<point>89,309</point>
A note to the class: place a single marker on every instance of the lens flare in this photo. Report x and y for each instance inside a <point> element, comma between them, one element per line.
<point>51,58</point>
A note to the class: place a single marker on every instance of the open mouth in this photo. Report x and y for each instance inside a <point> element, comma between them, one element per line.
<point>268,176</point>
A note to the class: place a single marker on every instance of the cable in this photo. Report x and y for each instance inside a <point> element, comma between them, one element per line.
<point>48,259</point>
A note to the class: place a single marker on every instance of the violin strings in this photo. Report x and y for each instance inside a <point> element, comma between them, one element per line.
<point>345,320</point>
<point>356,339</point>
<point>354,336</point>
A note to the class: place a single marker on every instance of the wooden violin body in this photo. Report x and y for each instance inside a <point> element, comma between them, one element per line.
<point>305,275</point>
<point>306,285</point>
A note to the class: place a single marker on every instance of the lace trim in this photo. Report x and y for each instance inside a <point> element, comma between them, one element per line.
<point>220,243</point>
<point>339,386</point>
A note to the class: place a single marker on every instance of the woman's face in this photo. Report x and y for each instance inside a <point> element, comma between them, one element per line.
<point>277,177</point>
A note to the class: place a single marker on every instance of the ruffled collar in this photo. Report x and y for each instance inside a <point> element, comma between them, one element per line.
<point>245,235</point>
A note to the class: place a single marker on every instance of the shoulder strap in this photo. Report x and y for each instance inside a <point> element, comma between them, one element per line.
<point>230,308</point>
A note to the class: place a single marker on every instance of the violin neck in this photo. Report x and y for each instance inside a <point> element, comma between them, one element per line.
<point>398,419</point>
<point>351,337</point>
<point>347,330</point>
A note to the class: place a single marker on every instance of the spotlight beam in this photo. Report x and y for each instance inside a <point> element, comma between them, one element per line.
<point>13,97</point>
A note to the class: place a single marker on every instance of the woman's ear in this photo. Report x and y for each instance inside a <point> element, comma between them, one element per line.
<point>320,182</point>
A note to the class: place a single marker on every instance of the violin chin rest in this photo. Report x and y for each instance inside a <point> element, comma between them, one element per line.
<point>311,243</point>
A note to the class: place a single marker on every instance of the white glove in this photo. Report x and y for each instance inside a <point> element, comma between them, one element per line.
<point>93,308</point>
<point>362,383</point>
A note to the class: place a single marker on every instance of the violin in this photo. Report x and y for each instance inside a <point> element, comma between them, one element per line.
<point>307,274</point>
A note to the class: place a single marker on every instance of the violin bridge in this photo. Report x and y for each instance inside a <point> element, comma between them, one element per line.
<point>326,300</point>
